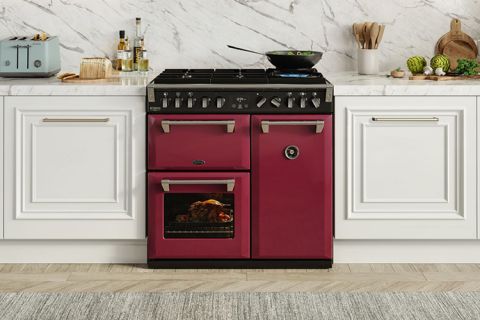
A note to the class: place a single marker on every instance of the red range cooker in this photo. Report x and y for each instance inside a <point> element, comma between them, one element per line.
<point>240,169</point>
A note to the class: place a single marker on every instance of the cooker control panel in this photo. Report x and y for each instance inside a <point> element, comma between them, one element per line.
<point>265,101</point>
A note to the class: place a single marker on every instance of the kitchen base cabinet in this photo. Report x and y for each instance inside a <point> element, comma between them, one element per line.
<point>1,167</point>
<point>75,168</point>
<point>405,168</point>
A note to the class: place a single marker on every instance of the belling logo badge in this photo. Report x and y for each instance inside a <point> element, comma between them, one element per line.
<point>198,162</point>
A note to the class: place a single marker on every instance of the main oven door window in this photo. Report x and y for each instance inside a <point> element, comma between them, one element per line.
<point>199,215</point>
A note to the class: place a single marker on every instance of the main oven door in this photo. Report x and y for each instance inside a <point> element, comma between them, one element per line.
<point>292,187</point>
<point>199,142</point>
<point>198,215</point>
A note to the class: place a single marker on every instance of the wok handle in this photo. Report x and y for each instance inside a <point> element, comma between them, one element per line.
<point>241,49</point>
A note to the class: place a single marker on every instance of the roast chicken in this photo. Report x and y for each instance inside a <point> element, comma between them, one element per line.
<point>205,211</point>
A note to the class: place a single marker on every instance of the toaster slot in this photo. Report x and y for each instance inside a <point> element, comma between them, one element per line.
<point>18,52</point>
<point>28,56</point>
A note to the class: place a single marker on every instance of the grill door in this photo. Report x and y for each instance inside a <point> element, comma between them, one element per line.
<point>198,142</point>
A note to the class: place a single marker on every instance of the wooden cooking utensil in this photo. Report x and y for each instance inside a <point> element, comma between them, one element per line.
<point>456,44</point>
<point>374,31</point>
<point>356,34</point>
<point>360,27</point>
<point>366,34</point>
<point>380,36</point>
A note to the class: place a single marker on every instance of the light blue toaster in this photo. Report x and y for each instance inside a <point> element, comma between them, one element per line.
<point>25,57</point>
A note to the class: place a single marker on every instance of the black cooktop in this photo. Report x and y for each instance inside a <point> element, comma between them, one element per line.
<point>240,76</point>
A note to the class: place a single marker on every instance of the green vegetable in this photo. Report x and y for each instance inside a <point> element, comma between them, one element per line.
<point>416,64</point>
<point>467,67</point>
<point>440,61</point>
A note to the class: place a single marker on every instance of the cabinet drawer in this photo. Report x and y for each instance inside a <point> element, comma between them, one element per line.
<point>407,168</point>
<point>198,142</point>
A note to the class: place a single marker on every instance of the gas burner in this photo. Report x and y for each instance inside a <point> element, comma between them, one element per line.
<point>295,73</point>
<point>240,76</point>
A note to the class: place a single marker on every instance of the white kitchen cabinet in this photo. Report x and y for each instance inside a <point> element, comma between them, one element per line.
<point>1,167</point>
<point>75,167</point>
<point>478,166</point>
<point>405,168</point>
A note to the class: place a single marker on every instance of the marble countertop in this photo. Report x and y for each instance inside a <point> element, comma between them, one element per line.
<point>345,83</point>
<point>352,84</point>
<point>131,85</point>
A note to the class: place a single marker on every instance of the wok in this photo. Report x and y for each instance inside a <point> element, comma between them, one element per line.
<point>289,59</point>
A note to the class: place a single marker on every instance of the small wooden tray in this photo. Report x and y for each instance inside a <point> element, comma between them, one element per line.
<point>77,79</point>
<point>443,78</point>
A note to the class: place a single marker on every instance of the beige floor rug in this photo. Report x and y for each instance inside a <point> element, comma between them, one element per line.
<point>248,306</point>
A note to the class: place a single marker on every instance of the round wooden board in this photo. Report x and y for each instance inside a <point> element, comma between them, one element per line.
<point>456,45</point>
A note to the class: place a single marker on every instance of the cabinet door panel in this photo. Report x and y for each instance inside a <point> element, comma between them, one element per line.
<point>63,172</point>
<point>73,166</point>
<point>384,156</point>
<point>405,168</point>
<point>76,168</point>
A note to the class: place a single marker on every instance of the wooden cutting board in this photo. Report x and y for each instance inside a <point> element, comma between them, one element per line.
<point>456,44</point>
<point>443,78</point>
<point>77,79</point>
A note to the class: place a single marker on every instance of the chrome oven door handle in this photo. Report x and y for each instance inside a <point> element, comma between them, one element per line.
<point>319,124</point>
<point>166,183</point>
<point>403,119</point>
<point>230,124</point>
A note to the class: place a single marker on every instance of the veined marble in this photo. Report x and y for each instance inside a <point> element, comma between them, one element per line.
<point>352,84</point>
<point>122,86</point>
<point>345,84</point>
<point>194,33</point>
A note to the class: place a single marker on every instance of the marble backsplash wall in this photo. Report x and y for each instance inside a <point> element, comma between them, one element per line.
<point>194,33</point>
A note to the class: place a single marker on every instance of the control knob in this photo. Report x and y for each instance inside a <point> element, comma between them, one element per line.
<point>289,101</point>
<point>303,100</point>
<point>316,101</point>
<point>164,101</point>
<point>276,102</point>
<point>190,100</point>
<point>177,102</point>
<point>261,101</point>
<point>220,102</point>
<point>205,102</point>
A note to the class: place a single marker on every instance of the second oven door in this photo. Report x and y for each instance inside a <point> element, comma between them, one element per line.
<point>199,142</point>
<point>292,187</point>
<point>198,215</point>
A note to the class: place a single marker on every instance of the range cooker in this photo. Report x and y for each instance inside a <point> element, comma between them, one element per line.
<point>240,169</point>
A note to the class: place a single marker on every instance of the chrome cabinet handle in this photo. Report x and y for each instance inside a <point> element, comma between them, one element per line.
<point>319,124</point>
<point>380,119</point>
<point>75,120</point>
<point>230,183</point>
<point>167,123</point>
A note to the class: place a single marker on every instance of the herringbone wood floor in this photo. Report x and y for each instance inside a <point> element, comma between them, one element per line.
<point>137,278</point>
